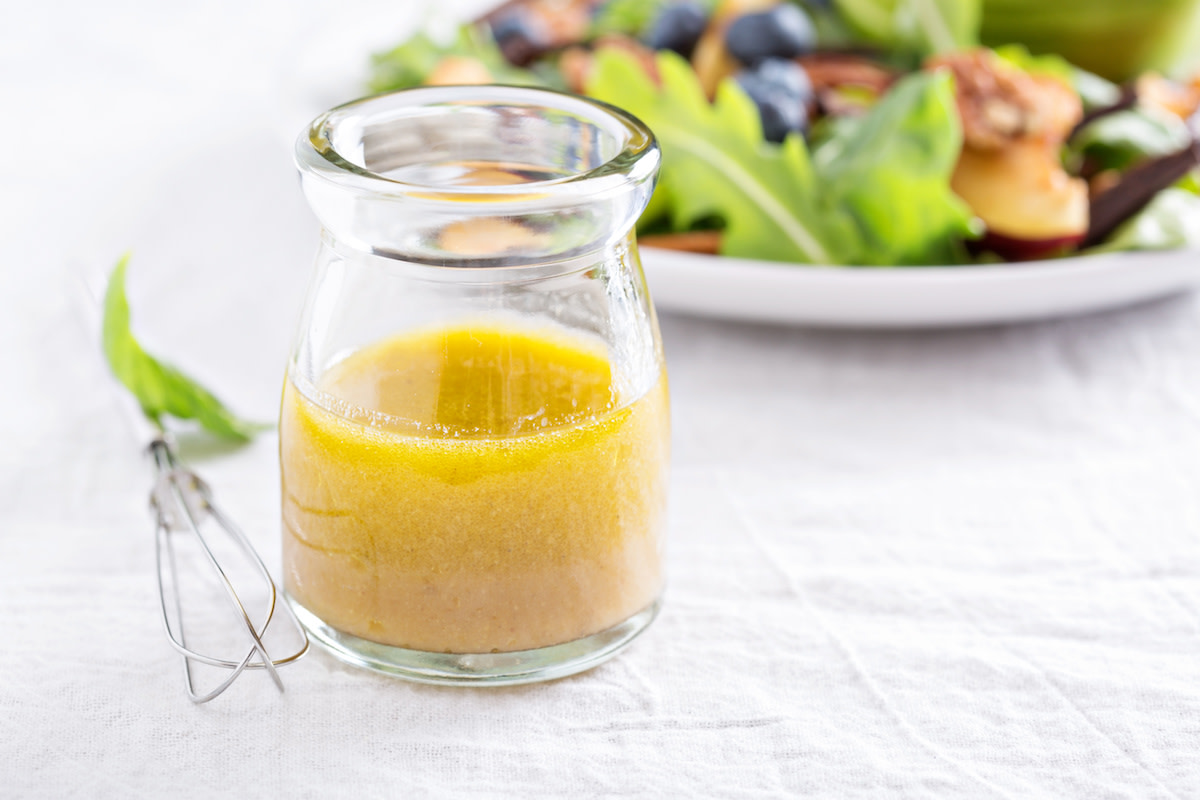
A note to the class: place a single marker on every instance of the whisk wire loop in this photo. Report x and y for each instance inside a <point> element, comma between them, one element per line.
<point>182,502</point>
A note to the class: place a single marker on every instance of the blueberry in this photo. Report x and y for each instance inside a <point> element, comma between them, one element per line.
<point>519,37</point>
<point>786,76</point>
<point>782,91</point>
<point>785,31</point>
<point>677,27</point>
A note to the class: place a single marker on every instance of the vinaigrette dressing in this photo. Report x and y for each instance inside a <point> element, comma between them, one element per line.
<point>472,490</point>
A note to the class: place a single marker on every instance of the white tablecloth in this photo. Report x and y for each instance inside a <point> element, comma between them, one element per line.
<point>959,564</point>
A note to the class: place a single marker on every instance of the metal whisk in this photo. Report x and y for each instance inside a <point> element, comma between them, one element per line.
<point>182,503</point>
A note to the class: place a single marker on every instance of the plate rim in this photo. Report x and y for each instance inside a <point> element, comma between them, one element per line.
<point>939,296</point>
<point>1009,270</point>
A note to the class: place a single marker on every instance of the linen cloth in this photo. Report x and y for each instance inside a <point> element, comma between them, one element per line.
<point>955,564</point>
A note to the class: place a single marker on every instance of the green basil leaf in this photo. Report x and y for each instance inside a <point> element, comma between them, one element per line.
<point>160,389</point>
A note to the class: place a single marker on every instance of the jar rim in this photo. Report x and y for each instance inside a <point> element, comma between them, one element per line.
<point>635,158</point>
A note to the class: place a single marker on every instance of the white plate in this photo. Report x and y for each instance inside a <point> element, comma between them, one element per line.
<point>331,67</point>
<point>912,297</point>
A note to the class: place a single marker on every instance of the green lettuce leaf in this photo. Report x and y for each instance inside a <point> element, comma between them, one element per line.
<point>1170,221</point>
<point>407,64</point>
<point>880,194</point>
<point>922,27</point>
<point>889,172</point>
<point>160,389</point>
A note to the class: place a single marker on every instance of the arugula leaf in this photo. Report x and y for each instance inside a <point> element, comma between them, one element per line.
<point>890,173</point>
<point>1170,221</point>
<point>159,388</point>
<point>407,64</point>
<point>922,27</point>
<point>1116,141</point>
<point>880,193</point>
<point>715,162</point>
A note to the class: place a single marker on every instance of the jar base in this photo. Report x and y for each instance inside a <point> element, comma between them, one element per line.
<point>478,669</point>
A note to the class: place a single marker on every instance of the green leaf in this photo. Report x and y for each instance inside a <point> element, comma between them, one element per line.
<point>890,173</point>
<point>1190,182</point>
<point>715,161</point>
<point>1094,91</point>
<point>1116,141</point>
<point>1170,221</point>
<point>408,64</point>
<point>631,17</point>
<point>922,27</point>
<point>880,194</point>
<point>628,17</point>
<point>160,389</point>
<point>1017,55</point>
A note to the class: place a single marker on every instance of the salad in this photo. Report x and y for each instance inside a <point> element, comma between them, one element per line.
<point>852,132</point>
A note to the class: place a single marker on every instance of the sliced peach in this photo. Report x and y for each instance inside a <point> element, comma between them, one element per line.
<point>1000,104</point>
<point>1059,105</point>
<point>458,70</point>
<point>489,236</point>
<point>1182,100</point>
<point>1023,195</point>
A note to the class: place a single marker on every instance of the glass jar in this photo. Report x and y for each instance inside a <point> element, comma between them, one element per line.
<point>474,430</point>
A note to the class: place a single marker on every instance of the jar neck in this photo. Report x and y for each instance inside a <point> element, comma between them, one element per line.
<point>486,176</point>
<point>478,272</point>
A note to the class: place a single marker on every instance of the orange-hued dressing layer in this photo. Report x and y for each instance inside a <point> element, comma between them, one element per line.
<point>482,489</point>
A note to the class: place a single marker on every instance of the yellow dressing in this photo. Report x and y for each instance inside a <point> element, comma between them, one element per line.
<point>484,489</point>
